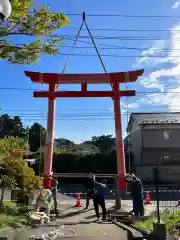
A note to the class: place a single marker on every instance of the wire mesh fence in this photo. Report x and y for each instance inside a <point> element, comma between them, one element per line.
<point>168,199</point>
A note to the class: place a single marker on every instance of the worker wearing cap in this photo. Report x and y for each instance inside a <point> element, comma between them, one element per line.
<point>136,193</point>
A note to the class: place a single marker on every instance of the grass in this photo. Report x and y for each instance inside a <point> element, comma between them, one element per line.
<point>9,221</point>
<point>170,219</point>
<point>10,215</point>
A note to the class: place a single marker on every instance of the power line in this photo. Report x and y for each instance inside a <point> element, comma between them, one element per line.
<point>123,30</point>
<point>122,48</point>
<point>113,55</point>
<point>128,38</point>
<point>118,56</point>
<point>19,89</point>
<point>99,37</point>
<point>78,119</point>
<point>137,92</point>
<point>122,15</point>
<point>108,55</point>
<point>76,114</point>
<point>107,47</point>
<point>131,16</point>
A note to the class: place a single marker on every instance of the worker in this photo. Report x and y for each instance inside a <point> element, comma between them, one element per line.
<point>99,198</point>
<point>104,181</point>
<point>136,193</point>
<point>44,200</point>
<point>53,189</point>
<point>89,189</point>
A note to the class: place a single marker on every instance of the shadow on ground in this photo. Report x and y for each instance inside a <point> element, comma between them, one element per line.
<point>71,214</point>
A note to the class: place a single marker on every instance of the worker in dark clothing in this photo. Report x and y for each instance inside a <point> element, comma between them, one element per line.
<point>89,190</point>
<point>54,187</point>
<point>99,198</point>
<point>136,193</point>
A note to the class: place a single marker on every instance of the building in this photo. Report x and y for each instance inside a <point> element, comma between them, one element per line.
<point>62,143</point>
<point>154,139</point>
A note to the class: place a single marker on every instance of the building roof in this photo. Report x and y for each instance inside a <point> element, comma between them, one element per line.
<point>152,116</point>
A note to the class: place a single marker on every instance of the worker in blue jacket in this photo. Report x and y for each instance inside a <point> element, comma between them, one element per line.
<point>101,190</point>
<point>136,193</point>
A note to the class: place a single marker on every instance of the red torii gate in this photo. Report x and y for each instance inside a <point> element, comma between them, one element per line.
<point>53,79</point>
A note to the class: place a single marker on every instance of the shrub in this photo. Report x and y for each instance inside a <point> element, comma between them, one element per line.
<point>10,208</point>
<point>170,219</point>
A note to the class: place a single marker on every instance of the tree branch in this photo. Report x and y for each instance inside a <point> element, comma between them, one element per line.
<point>18,33</point>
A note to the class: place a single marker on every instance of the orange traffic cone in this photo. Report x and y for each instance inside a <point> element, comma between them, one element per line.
<point>78,203</point>
<point>148,200</point>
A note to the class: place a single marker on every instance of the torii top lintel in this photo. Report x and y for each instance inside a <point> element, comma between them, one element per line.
<point>78,78</point>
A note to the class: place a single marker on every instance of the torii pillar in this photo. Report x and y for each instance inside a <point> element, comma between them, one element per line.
<point>52,79</point>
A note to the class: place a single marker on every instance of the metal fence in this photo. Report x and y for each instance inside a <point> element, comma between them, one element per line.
<point>168,199</point>
<point>73,189</point>
<point>164,198</point>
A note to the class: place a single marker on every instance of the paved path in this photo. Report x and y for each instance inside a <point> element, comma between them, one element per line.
<point>83,223</point>
<point>82,231</point>
<point>127,204</point>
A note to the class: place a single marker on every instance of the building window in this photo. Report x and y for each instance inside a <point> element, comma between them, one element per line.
<point>171,158</point>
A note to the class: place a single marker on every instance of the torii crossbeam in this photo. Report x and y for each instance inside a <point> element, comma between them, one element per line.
<point>52,79</point>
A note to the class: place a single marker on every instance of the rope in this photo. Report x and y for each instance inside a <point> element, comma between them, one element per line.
<point>99,56</point>
<point>53,234</point>
<point>70,53</point>
<point>94,44</point>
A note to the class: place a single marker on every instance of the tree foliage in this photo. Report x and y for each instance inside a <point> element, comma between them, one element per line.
<point>13,126</point>
<point>37,136</point>
<point>28,20</point>
<point>14,171</point>
<point>104,142</point>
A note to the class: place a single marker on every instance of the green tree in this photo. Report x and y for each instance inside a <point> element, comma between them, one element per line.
<point>28,20</point>
<point>104,142</point>
<point>11,126</point>
<point>14,171</point>
<point>37,136</point>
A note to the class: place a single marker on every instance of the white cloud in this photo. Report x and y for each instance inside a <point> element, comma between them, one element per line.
<point>166,78</point>
<point>150,57</point>
<point>176,5</point>
<point>171,99</point>
<point>126,106</point>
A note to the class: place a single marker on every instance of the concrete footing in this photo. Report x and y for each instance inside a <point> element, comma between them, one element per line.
<point>159,232</point>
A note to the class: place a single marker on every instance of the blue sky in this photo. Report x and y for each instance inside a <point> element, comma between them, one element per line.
<point>162,68</point>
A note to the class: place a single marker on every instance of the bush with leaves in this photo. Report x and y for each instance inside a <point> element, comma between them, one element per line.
<point>14,171</point>
<point>170,219</point>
